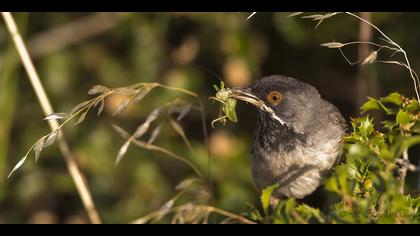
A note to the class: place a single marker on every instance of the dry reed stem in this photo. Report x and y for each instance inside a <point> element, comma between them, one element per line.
<point>74,171</point>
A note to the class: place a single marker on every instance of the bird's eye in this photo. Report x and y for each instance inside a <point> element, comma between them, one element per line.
<point>274,97</point>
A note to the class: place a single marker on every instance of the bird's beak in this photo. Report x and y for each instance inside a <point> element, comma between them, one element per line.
<point>246,95</point>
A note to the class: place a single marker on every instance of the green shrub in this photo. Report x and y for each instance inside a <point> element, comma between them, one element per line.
<point>369,183</point>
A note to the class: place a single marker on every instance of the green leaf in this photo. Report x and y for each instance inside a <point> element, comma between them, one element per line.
<point>413,106</point>
<point>410,141</point>
<point>416,128</point>
<point>266,195</point>
<point>366,127</point>
<point>372,104</point>
<point>385,153</point>
<point>332,185</point>
<point>403,117</point>
<point>394,98</point>
<point>389,124</point>
<point>311,212</point>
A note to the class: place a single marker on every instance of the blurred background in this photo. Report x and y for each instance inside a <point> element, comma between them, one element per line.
<point>75,51</point>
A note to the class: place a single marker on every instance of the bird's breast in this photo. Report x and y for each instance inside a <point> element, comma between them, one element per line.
<point>297,170</point>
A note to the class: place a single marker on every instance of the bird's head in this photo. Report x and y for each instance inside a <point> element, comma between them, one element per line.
<point>283,100</point>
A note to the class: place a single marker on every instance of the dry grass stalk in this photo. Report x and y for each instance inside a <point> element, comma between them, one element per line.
<point>74,171</point>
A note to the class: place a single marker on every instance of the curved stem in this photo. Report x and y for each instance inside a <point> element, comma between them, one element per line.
<point>390,41</point>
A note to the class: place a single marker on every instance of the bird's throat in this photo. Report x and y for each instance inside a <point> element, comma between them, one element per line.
<point>275,137</point>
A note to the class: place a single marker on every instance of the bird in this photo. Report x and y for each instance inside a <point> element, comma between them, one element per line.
<point>298,136</point>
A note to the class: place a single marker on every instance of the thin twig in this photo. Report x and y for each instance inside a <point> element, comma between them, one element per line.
<point>389,40</point>
<point>403,171</point>
<point>74,171</point>
<point>153,147</point>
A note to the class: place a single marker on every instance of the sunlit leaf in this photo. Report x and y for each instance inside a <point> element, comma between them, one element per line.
<point>403,117</point>
<point>332,185</point>
<point>389,124</point>
<point>394,98</point>
<point>413,106</point>
<point>371,104</point>
<point>312,212</point>
<point>410,141</point>
<point>366,127</point>
<point>266,195</point>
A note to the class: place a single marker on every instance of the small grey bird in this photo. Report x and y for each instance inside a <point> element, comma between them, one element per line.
<point>298,137</point>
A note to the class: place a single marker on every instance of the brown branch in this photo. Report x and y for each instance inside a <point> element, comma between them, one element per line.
<point>366,82</point>
<point>65,35</point>
<point>73,32</point>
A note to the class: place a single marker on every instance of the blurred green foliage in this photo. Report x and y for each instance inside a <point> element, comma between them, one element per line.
<point>74,51</point>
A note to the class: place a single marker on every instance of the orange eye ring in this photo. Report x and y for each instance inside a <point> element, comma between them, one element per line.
<point>274,97</point>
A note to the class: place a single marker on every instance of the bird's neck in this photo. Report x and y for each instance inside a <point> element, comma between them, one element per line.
<point>273,136</point>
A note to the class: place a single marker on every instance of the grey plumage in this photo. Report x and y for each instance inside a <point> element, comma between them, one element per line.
<point>299,152</point>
